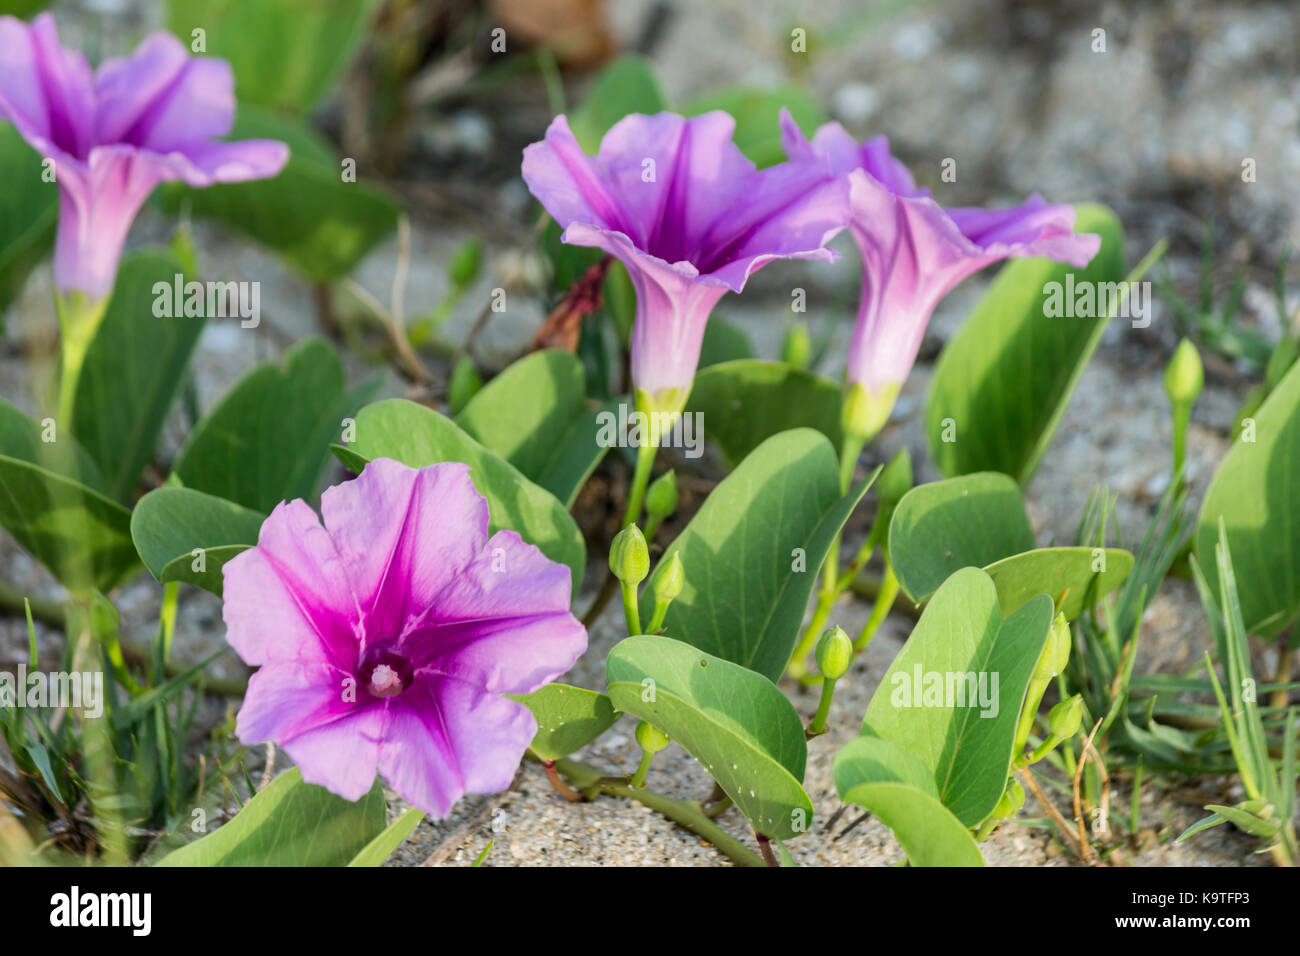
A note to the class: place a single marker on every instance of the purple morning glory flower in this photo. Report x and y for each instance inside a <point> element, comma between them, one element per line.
<point>680,206</point>
<point>386,639</point>
<point>914,252</point>
<point>114,135</point>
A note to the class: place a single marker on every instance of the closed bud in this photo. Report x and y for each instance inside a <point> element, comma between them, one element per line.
<point>650,738</point>
<point>1056,652</point>
<point>1184,375</point>
<point>834,653</point>
<point>629,557</point>
<point>669,581</point>
<point>1006,806</point>
<point>1017,794</point>
<point>796,349</point>
<point>1066,717</point>
<point>661,497</point>
<point>465,383</point>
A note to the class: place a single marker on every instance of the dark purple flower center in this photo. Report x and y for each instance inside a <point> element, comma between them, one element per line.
<point>384,673</point>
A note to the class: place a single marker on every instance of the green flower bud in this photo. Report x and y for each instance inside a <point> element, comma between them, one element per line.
<point>650,738</point>
<point>1066,717</point>
<point>669,581</point>
<point>1017,794</point>
<point>1056,652</point>
<point>796,349</point>
<point>1184,375</point>
<point>1006,806</point>
<point>661,497</point>
<point>629,557</point>
<point>465,263</point>
<point>464,385</point>
<point>834,653</point>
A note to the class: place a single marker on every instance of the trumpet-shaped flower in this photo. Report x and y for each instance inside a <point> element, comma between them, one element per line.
<point>914,252</point>
<point>116,133</point>
<point>386,638</point>
<point>680,206</point>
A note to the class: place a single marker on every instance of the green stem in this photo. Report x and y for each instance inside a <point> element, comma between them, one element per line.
<point>167,617</point>
<point>831,586</point>
<point>645,459</point>
<point>1182,417</point>
<point>643,768</point>
<point>631,613</point>
<point>1037,687</point>
<point>818,725</point>
<point>798,666</point>
<point>880,611</point>
<point>686,813</point>
<point>657,621</point>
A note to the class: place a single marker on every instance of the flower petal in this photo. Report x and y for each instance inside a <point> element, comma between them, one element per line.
<point>566,183</point>
<point>127,88</point>
<point>503,624</point>
<point>45,90</point>
<point>453,740</point>
<point>404,534</point>
<point>288,598</point>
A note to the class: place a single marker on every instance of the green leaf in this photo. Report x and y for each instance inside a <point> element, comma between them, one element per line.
<point>628,85</point>
<point>980,521</point>
<point>286,54</point>
<point>24,438</point>
<point>1256,492</point>
<point>419,436</point>
<point>27,214</point>
<point>752,552</point>
<point>268,439</point>
<point>81,536</point>
<point>928,832</point>
<point>900,790</point>
<point>379,849</point>
<point>568,718</point>
<point>724,342</point>
<point>535,416</point>
<point>133,367</point>
<point>745,402</point>
<point>733,721</point>
<point>321,225</point>
<point>170,523</point>
<point>943,526</point>
<point>757,114</point>
<point>290,823</point>
<point>939,701</point>
<point>1007,375</point>
<point>1064,574</point>
<point>874,760</point>
<point>1246,821</point>
<point>1205,823</point>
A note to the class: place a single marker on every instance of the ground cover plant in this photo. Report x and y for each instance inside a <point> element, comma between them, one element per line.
<point>412,560</point>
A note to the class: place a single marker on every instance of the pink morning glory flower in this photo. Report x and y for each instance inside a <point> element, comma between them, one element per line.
<point>116,133</point>
<point>386,638</point>
<point>914,252</point>
<point>677,203</point>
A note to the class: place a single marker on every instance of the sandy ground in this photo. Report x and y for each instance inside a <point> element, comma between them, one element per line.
<point>1157,127</point>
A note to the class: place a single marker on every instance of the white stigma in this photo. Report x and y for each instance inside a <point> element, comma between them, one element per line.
<point>384,681</point>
